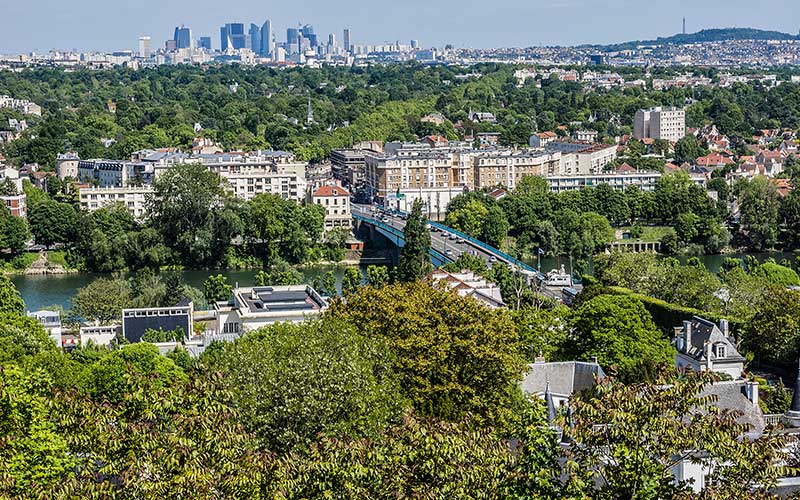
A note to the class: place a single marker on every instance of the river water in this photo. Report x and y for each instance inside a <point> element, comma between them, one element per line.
<point>57,290</point>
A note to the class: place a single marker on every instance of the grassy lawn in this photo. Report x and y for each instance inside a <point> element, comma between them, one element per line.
<point>649,233</point>
<point>58,257</point>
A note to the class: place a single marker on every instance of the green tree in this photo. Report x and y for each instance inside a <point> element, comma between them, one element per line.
<point>10,300</point>
<point>758,200</point>
<point>217,288</point>
<point>777,274</point>
<point>687,150</point>
<point>414,256</point>
<point>14,232</point>
<point>632,436</point>
<point>52,222</point>
<point>452,354</point>
<point>294,381</point>
<point>377,276</point>
<point>773,334</point>
<point>103,300</point>
<point>619,331</point>
<point>351,280</point>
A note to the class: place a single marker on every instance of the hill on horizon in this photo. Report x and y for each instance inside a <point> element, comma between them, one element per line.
<point>708,35</point>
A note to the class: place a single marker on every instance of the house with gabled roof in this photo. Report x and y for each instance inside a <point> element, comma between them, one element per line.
<point>703,346</point>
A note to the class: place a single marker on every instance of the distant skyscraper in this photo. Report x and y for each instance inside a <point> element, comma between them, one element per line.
<point>205,42</point>
<point>232,36</point>
<point>266,39</point>
<point>332,41</point>
<point>183,37</point>
<point>308,33</point>
<point>346,40</point>
<point>415,44</point>
<point>254,40</point>
<point>684,25</point>
<point>291,35</point>
<point>145,49</point>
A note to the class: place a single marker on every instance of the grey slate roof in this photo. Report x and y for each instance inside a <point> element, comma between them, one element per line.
<point>704,330</point>
<point>731,396</point>
<point>565,377</point>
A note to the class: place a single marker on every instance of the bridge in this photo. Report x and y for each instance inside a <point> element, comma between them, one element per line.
<point>447,244</point>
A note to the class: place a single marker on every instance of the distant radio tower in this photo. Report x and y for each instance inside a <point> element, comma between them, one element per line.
<point>684,25</point>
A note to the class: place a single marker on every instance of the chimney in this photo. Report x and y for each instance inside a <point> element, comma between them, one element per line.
<point>724,327</point>
<point>594,360</point>
<point>751,391</point>
<point>540,358</point>
<point>707,350</point>
<point>687,332</point>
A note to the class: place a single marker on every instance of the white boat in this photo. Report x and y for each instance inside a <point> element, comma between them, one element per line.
<point>558,277</point>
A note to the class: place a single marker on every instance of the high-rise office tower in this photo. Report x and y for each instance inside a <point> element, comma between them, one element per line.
<point>266,39</point>
<point>145,49</point>
<point>308,33</point>
<point>183,37</point>
<point>332,42</point>
<point>346,40</point>
<point>415,44</point>
<point>205,42</point>
<point>254,40</point>
<point>292,34</point>
<point>232,36</point>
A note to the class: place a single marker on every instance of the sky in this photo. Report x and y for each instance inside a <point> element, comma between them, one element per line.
<point>41,25</point>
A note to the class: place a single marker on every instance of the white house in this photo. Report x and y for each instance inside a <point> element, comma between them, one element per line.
<point>249,309</point>
<point>703,346</point>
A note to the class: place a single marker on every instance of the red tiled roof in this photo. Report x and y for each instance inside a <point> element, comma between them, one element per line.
<point>331,191</point>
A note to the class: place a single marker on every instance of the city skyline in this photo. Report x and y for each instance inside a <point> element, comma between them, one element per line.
<point>56,26</point>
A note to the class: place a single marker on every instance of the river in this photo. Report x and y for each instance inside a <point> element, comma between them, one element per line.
<point>41,292</point>
<point>57,290</point>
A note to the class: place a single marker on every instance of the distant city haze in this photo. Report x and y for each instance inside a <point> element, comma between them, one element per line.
<point>41,25</point>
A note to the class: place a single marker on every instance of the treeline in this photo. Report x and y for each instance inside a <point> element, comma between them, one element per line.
<point>159,107</point>
<point>579,223</point>
<point>399,391</point>
<point>193,222</point>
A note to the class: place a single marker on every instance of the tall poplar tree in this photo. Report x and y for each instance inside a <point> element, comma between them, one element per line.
<point>414,257</point>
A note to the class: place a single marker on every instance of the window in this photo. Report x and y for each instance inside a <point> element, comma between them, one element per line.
<point>720,351</point>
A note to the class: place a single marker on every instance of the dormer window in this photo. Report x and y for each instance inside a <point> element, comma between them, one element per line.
<point>720,351</point>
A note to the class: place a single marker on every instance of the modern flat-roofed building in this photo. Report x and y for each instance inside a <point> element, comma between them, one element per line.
<point>660,123</point>
<point>133,198</point>
<point>101,335</point>
<point>135,322</point>
<point>249,309</point>
<point>646,181</point>
<point>468,284</point>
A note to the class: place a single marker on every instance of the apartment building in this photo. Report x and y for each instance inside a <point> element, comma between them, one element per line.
<point>131,197</point>
<point>660,123</point>
<point>336,201</point>
<point>434,175</point>
<point>67,165</point>
<point>581,158</point>
<point>646,181</point>
<point>506,167</point>
<point>16,204</point>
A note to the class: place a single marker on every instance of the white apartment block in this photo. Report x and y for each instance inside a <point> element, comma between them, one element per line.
<point>286,181</point>
<point>131,197</point>
<point>646,181</point>
<point>21,105</point>
<point>580,158</point>
<point>660,123</point>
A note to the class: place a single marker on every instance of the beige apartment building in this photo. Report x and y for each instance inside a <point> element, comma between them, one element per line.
<point>507,167</point>
<point>660,123</point>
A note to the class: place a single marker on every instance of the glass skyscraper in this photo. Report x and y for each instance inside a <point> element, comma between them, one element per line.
<point>183,38</point>
<point>232,36</point>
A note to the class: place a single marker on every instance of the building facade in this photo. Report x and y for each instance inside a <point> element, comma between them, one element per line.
<point>660,123</point>
<point>133,198</point>
<point>336,201</point>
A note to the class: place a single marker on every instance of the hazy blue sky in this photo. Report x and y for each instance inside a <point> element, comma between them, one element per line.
<point>114,24</point>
